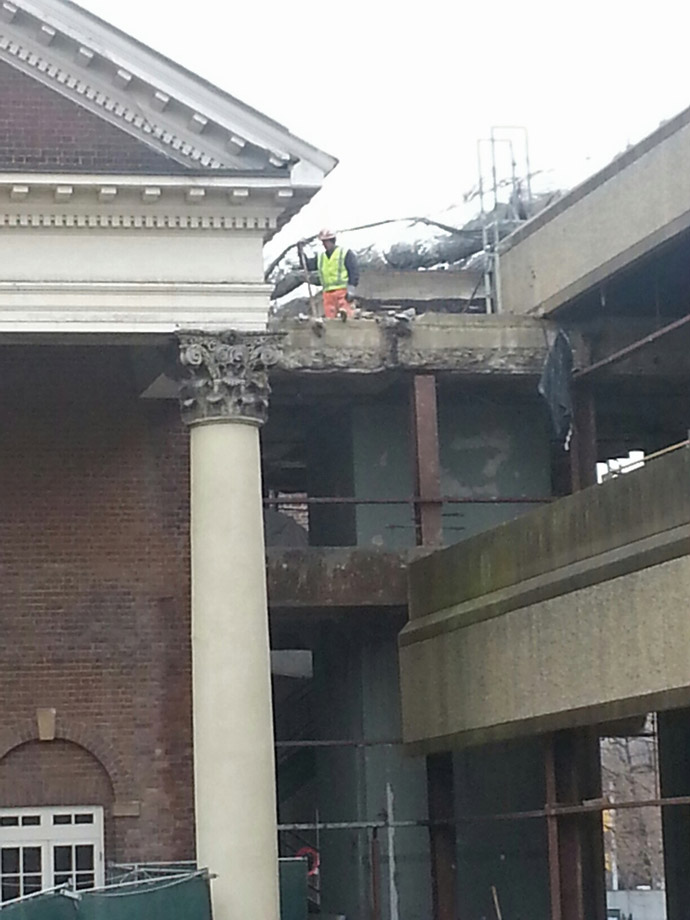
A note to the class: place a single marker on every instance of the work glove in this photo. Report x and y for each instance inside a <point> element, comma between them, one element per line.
<point>350,294</point>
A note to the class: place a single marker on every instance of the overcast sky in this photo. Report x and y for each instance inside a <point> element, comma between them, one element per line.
<point>400,92</point>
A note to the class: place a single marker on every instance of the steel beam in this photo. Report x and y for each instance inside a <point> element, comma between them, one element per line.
<point>632,348</point>
<point>674,779</point>
<point>429,520</point>
<point>441,798</point>
<point>583,445</point>
<point>575,840</point>
<point>427,462</point>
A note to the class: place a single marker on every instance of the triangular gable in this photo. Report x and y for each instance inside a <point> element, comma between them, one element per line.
<point>42,131</point>
<point>163,106</point>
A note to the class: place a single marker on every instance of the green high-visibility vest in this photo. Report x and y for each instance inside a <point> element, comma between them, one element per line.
<point>332,271</point>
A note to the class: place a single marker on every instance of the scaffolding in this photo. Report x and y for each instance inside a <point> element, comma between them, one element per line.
<point>497,176</point>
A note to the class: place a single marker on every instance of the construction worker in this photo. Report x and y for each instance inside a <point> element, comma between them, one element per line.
<point>339,275</point>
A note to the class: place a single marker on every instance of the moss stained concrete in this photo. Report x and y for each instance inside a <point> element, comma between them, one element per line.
<point>569,615</point>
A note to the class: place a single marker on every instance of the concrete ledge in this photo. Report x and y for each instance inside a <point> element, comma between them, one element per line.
<point>615,514</point>
<point>570,615</point>
<point>621,561</point>
<point>638,202</point>
<point>606,652</point>
<point>471,345</point>
<point>328,578</point>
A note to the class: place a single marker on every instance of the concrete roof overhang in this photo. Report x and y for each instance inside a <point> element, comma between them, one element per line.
<point>637,203</point>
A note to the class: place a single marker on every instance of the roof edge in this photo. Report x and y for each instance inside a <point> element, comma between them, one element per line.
<point>620,162</point>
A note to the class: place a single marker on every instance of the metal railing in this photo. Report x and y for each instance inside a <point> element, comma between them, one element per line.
<point>396,514</point>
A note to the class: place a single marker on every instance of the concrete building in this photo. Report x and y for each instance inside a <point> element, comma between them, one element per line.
<point>426,727</point>
<point>529,643</point>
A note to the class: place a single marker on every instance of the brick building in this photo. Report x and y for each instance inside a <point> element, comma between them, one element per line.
<point>437,715</point>
<point>135,200</point>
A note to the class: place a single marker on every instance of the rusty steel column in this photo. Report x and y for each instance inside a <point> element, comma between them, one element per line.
<point>575,841</point>
<point>441,798</point>
<point>439,767</point>
<point>583,446</point>
<point>427,465</point>
<point>674,780</point>
<point>552,829</point>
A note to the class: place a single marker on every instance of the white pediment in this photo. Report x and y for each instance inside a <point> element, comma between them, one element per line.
<point>146,95</point>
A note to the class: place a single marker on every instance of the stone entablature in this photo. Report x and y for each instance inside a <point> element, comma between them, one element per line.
<point>134,254</point>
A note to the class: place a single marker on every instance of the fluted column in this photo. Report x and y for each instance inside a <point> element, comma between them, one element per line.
<point>224,400</point>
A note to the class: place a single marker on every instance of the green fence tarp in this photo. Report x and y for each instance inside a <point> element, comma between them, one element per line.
<point>186,898</point>
<point>293,889</point>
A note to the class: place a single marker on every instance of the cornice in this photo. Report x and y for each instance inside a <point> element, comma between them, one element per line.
<point>137,221</point>
<point>148,202</point>
<point>136,288</point>
<point>144,94</point>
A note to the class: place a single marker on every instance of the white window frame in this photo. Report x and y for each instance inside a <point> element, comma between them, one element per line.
<point>47,835</point>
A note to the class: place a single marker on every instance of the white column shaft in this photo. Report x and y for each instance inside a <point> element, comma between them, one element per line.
<point>233,726</point>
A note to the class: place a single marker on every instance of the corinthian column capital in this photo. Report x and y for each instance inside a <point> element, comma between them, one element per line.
<point>224,375</point>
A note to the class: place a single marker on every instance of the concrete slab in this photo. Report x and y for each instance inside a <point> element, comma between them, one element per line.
<point>571,615</point>
<point>636,203</point>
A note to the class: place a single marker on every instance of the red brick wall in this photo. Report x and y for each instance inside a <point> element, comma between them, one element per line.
<point>38,773</point>
<point>94,592</point>
<point>42,130</point>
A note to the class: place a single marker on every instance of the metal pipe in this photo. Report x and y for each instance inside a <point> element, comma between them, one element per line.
<point>349,825</point>
<point>527,162</point>
<point>588,807</point>
<point>329,744</point>
<point>412,500</point>
<point>375,875</point>
<point>598,805</point>
<point>634,464</point>
<point>631,349</point>
<point>488,295</point>
<point>553,854</point>
<point>497,270</point>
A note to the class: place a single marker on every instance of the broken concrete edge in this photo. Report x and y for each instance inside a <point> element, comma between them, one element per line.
<point>649,501</point>
<point>470,344</point>
<point>609,712</point>
<point>341,577</point>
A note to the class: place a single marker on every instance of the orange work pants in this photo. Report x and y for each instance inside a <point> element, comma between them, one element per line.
<point>334,302</point>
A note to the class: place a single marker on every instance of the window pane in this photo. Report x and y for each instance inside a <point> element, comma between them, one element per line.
<point>31,820</point>
<point>84,861</point>
<point>83,819</point>
<point>9,821</point>
<point>32,883</point>
<point>10,888</point>
<point>62,819</point>
<point>62,859</point>
<point>31,859</point>
<point>62,879</point>
<point>10,859</point>
<point>84,880</point>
